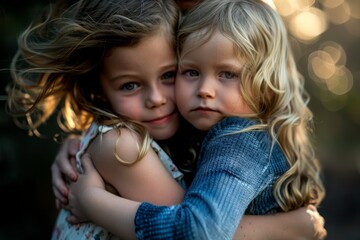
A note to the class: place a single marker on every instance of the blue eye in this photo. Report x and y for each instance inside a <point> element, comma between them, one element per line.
<point>169,76</point>
<point>191,73</point>
<point>228,75</point>
<point>129,86</point>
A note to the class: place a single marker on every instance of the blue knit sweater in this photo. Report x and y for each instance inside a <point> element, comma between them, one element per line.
<point>235,175</point>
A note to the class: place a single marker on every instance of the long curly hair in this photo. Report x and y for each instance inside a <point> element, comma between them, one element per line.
<point>59,59</point>
<point>270,84</point>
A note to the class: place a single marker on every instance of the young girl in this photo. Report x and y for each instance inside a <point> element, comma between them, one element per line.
<point>120,93</point>
<point>236,77</point>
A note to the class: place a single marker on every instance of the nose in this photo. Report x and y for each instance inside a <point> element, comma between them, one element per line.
<point>156,97</point>
<point>206,88</point>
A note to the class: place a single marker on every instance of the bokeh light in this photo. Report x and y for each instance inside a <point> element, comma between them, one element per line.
<point>327,68</point>
<point>325,35</point>
<point>339,14</point>
<point>307,21</point>
<point>307,25</point>
<point>354,8</point>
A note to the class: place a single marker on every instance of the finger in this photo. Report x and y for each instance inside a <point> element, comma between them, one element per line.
<point>62,161</point>
<point>74,146</point>
<point>72,219</point>
<point>312,208</point>
<point>87,163</point>
<point>323,235</point>
<point>75,165</point>
<point>58,182</point>
<point>68,169</point>
<point>62,198</point>
<point>57,204</point>
<point>63,206</point>
<point>67,207</point>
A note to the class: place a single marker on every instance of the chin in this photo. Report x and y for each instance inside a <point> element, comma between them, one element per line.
<point>202,126</point>
<point>164,134</point>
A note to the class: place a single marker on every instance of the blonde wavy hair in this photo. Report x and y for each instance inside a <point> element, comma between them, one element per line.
<point>59,59</point>
<point>270,85</point>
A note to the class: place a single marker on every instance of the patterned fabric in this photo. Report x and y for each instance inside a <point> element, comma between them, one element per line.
<point>236,173</point>
<point>89,231</point>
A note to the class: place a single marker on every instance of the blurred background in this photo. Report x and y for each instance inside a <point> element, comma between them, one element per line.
<point>326,39</point>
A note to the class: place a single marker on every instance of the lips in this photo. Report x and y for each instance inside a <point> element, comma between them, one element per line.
<point>203,109</point>
<point>160,120</point>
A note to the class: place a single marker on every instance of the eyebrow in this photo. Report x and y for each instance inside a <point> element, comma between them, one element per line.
<point>237,65</point>
<point>169,65</point>
<point>121,75</point>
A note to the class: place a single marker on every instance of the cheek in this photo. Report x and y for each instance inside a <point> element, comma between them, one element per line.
<point>182,91</point>
<point>169,92</point>
<point>240,106</point>
<point>130,109</point>
<point>180,99</point>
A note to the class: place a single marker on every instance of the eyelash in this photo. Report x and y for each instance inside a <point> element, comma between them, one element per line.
<point>169,75</point>
<point>233,75</point>
<point>124,87</point>
<point>189,72</point>
<point>166,77</point>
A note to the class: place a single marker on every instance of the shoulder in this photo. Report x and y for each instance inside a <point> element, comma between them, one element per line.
<point>238,129</point>
<point>228,144</point>
<point>118,143</point>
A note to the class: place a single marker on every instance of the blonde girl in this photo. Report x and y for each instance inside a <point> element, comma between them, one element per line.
<point>108,66</point>
<point>237,79</point>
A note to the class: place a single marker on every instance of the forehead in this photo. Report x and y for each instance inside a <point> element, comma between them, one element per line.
<point>217,51</point>
<point>152,53</point>
<point>215,41</point>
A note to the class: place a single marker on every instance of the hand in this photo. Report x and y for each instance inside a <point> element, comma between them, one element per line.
<point>63,169</point>
<point>318,222</point>
<point>81,190</point>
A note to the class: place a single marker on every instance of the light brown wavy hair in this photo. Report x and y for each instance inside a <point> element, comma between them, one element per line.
<point>270,85</point>
<point>59,59</point>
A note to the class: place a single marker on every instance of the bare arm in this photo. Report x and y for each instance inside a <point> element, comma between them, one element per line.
<point>301,224</point>
<point>137,183</point>
<point>88,199</point>
<point>147,180</point>
<point>117,214</point>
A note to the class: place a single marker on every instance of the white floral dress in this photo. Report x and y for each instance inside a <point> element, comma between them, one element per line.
<point>65,231</point>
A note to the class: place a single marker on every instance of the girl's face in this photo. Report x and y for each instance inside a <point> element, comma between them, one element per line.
<point>139,84</point>
<point>207,83</point>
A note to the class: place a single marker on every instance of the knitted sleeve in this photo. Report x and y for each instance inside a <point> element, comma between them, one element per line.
<point>232,170</point>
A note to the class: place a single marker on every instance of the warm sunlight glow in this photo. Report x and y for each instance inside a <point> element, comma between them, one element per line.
<point>331,3</point>
<point>270,2</point>
<point>339,14</point>
<point>336,51</point>
<point>285,8</point>
<point>327,68</point>
<point>354,8</point>
<point>321,65</point>
<point>308,24</point>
